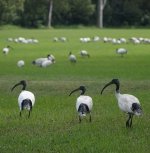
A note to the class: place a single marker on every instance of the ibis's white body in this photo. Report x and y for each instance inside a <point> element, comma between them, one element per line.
<point>82,99</point>
<point>123,40</point>
<point>26,95</point>
<point>39,61</point>
<point>72,58</point>
<point>125,102</point>
<point>84,53</point>
<point>63,39</point>
<point>85,39</point>
<point>20,63</point>
<point>46,63</point>
<point>121,51</point>
<point>6,50</point>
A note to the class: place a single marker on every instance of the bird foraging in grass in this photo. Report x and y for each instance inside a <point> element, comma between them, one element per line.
<point>20,63</point>
<point>84,53</point>
<point>126,102</point>
<point>121,51</point>
<point>26,99</point>
<point>84,103</point>
<point>6,49</point>
<point>72,58</point>
<point>44,62</point>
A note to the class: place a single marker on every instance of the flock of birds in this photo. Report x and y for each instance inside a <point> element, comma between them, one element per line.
<point>50,59</point>
<point>73,58</point>
<point>117,41</point>
<point>84,103</point>
<point>46,61</point>
<point>23,40</point>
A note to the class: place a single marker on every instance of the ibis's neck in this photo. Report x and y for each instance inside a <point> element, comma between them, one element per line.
<point>82,92</point>
<point>117,87</point>
<point>24,87</point>
<point>117,94</point>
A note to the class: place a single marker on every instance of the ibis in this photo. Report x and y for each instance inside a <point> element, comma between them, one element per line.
<point>121,51</point>
<point>39,61</point>
<point>6,49</point>
<point>20,63</point>
<point>84,53</point>
<point>84,103</point>
<point>26,99</point>
<point>126,102</point>
<point>72,58</point>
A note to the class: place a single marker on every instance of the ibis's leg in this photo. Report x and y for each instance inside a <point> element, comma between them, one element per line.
<point>127,122</point>
<point>79,119</point>
<point>131,120</point>
<point>21,108</point>
<point>20,113</point>
<point>29,114</point>
<point>30,110</point>
<point>90,118</point>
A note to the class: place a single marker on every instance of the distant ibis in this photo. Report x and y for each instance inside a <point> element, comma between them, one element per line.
<point>72,58</point>
<point>121,51</point>
<point>84,53</point>
<point>20,63</point>
<point>43,62</point>
<point>7,49</point>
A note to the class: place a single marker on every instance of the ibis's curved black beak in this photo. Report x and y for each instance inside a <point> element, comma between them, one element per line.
<point>106,86</point>
<point>74,91</point>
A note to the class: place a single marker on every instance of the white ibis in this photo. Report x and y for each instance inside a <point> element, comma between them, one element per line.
<point>84,53</point>
<point>20,63</point>
<point>7,49</point>
<point>39,61</point>
<point>84,103</point>
<point>126,102</point>
<point>46,63</point>
<point>26,99</point>
<point>121,51</point>
<point>72,58</point>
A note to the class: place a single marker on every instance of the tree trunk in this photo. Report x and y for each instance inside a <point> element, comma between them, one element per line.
<point>50,13</point>
<point>101,5</point>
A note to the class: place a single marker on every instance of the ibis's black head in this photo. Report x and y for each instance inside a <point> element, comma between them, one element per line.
<point>113,81</point>
<point>48,56</point>
<point>82,88</point>
<point>22,82</point>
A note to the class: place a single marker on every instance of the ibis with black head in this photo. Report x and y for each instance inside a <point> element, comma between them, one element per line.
<point>126,102</point>
<point>84,103</point>
<point>26,99</point>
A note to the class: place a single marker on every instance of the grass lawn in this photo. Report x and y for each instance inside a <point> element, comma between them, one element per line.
<point>53,126</point>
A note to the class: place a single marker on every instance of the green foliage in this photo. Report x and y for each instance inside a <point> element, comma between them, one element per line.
<point>73,12</point>
<point>9,11</point>
<point>33,13</point>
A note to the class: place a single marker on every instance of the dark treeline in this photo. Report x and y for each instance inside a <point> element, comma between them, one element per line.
<point>34,13</point>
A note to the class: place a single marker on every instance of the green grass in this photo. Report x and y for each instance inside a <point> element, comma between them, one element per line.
<point>53,126</point>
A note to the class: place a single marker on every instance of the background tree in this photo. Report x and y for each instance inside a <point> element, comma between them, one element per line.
<point>111,13</point>
<point>35,13</point>
<point>81,11</point>
<point>100,7</point>
<point>10,11</point>
<point>50,13</point>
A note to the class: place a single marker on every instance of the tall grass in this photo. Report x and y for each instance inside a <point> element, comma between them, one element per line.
<point>53,126</point>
